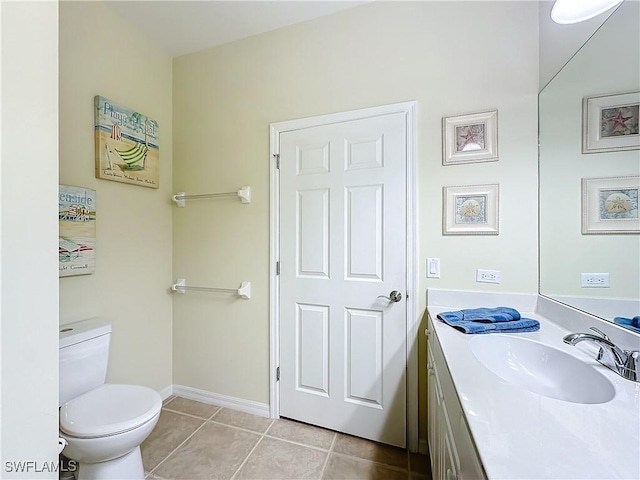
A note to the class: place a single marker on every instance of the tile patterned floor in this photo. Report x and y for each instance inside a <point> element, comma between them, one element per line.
<point>197,441</point>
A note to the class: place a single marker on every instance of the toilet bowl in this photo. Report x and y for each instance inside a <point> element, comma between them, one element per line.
<point>103,424</point>
<point>108,422</point>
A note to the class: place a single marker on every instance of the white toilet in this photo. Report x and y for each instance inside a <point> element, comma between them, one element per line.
<point>104,424</point>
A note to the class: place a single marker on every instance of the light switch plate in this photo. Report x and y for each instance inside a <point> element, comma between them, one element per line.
<point>433,268</point>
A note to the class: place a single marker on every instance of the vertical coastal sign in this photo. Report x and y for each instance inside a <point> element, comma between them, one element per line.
<point>77,230</point>
<point>126,145</point>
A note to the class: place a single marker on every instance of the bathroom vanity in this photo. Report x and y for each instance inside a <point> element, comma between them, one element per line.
<point>574,419</point>
<point>453,454</point>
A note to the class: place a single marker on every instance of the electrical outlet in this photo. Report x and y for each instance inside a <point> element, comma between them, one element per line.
<point>488,276</point>
<point>594,280</point>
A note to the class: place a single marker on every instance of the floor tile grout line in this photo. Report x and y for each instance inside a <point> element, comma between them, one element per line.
<point>360,459</point>
<point>155,477</point>
<point>246,459</point>
<point>266,434</point>
<point>326,460</point>
<point>236,427</point>
<point>252,450</point>
<point>215,413</point>
<point>210,419</point>
<point>190,414</point>
<point>183,442</point>
<point>300,444</point>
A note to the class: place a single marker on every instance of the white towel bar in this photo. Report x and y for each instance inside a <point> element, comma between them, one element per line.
<point>244,291</point>
<point>244,193</point>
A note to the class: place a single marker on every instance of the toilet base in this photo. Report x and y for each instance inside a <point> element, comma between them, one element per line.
<point>127,467</point>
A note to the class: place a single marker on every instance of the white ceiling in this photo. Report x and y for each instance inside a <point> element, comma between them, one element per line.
<point>187,26</point>
<point>558,43</point>
<point>181,27</point>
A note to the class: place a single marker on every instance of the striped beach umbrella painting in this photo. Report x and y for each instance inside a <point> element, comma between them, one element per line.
<point>127,145</point>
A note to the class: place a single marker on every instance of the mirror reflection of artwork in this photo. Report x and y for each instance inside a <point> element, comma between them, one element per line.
<point>470,137</point>
<point>610,122</point>
<point>126,145</point>
<point>619,121</point>
<point>610,205</point>
<point>77,230</point>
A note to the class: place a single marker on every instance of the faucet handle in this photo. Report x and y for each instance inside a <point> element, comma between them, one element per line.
<point>631,369</point>
<point>600,332</point>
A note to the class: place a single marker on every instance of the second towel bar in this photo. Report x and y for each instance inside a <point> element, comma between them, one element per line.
<point>244,193</point>
<point>244,291</point>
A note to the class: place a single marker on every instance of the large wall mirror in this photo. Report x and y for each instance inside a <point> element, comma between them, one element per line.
<point>608,64</point>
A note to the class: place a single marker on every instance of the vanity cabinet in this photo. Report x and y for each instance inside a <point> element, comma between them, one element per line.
<point>453,454</point>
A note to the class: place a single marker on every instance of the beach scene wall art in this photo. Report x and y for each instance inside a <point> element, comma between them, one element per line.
<point>127,146</point>
<point>77,230</point>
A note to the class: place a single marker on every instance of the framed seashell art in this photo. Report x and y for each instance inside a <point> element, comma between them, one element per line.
<point>610,205</point>
<point>470,210</point>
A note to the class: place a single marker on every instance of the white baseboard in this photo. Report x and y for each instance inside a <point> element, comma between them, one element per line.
<point>234,403</point>
<point>423,447</point>
<point>166,392</point>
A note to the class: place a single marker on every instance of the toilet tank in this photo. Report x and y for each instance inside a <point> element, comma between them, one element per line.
<point>84,356</point>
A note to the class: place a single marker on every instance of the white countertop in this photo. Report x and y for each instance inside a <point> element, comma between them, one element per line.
<point>522,435</point>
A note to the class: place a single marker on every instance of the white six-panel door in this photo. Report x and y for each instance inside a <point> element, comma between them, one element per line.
<point>342,251</point>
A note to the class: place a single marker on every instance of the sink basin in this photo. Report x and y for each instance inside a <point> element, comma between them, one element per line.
<point>542,369</point>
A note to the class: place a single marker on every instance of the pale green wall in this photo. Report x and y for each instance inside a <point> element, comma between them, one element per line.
<point>101,54</point>
<point>29,294</point>
<point>450,57</point>
<point>609,63</point>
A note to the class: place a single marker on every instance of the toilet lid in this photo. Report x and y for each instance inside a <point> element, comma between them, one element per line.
<point>108,410</point>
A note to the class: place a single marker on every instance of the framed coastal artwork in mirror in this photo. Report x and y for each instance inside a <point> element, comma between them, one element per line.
<point>610,205</point>
<point>610,123</point>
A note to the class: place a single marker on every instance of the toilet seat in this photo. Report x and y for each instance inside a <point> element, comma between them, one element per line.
<point>109,410</point>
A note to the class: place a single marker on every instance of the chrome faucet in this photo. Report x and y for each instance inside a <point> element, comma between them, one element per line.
<point>624,362</point>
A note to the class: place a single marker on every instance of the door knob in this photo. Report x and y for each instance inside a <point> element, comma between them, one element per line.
<point>395,296</point>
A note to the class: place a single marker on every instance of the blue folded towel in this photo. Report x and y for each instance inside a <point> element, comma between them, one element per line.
<point>489,320</point>
<point>485,315</point>
<point>630,323</point>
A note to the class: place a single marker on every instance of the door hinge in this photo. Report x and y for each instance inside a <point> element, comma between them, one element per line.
<point>278,374</point>
<point>277,157</point>
<point>277,268</point>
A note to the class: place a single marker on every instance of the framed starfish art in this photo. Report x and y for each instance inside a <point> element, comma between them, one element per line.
<point>610,123</point>
<point>470,138</point>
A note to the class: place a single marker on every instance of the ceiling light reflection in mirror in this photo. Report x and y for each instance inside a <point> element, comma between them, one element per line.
<point>574,11</point>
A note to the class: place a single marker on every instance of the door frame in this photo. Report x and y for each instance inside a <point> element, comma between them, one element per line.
<point>412,322</point>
